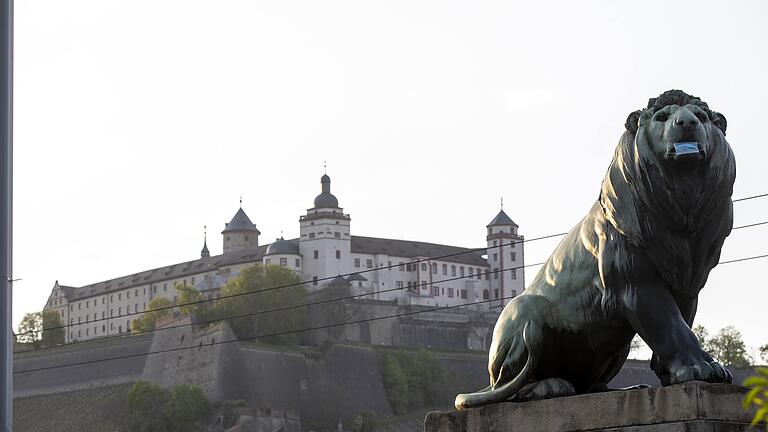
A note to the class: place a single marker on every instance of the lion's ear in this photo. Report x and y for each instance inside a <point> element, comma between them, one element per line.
<point>719,121</point>
<point>632,121</point>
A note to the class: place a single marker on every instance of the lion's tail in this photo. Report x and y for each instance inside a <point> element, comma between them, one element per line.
<point>532,337</point>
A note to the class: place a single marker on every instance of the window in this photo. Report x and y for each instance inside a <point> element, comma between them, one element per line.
<point>317,254</point>
<point>423,266</point>
<point>513,256</point>
<point>496,293</point>
<point>283,262</point>
<point>513,274</point>
<point>79,305</point>
<point>445,269</point>
<point>450,292</point>
<point>479,274</point>
<point>408,267</point>
<point>103,313</point>
<point>461,271</point>
<point>78,320</point>
<point>104,300</point>
<point>453,270</point>
<point>389,265</point>
<point>103,328</point>
<point>193,281</point>
<point>119,311</point>
<point>485,294</point>
<point>71,321</point>
<point>71,308</point>
<point>424,285</point>
<point>338,254</point>
<point>165,286</point>
<point>311,235</point>
<point>127,294</point>
<point>494,242</point>
<point>267,261</point>
<point>435,291</point>
<point>400,266</point>
<point>434,268</point>
<point>136,292</point>
<point>369,263</point>
<point>488,275</point>
<point>314,279</point>
<point>464,294</point>
<point>111,313</point>
<point>119,329</point>
<point>337,234</point>
<point>78,333</point>
<point>154,289</point>
<point>297,262</point>
<point>119,296</point>
<point>495,273</point>
<point>399,284</point>
<point>86,304</point>
<point>495,257</point>
<point>357,262</point>
<point>471,271</point>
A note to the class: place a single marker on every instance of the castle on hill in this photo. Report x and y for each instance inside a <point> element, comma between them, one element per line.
<point>406,273</point>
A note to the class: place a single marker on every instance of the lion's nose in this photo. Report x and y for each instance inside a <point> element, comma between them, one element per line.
<point>686,119</point>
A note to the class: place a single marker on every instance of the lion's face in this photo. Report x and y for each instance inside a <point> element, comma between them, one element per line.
<point>678,134</point>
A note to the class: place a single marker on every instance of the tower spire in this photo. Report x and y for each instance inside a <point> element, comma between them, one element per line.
<point>205,253</point>
<point>502,202</point>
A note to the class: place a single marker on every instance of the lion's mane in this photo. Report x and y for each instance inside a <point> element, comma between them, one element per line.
<point>656,210</point>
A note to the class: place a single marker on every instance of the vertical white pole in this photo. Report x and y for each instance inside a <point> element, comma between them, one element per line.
<point>6,213</point>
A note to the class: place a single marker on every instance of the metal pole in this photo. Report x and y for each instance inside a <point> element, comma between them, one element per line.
<point>6,214</point>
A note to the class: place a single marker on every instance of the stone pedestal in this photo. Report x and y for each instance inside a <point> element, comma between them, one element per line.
<point>690,407</point>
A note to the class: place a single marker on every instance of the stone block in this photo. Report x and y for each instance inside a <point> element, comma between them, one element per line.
<point>690,407</point>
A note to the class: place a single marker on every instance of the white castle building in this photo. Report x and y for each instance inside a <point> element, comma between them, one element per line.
<point>406,271</point>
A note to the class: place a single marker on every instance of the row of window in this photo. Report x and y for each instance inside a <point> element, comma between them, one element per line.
<point>284,262</point>
<point>335,234</point>
<point>111,313</point>
<point>103,330</point>
<point>127,295</point>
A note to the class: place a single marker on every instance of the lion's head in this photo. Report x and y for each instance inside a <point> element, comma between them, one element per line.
<point>671,179</point>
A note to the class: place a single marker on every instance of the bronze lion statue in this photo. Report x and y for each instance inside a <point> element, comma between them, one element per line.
<point>633,265</point>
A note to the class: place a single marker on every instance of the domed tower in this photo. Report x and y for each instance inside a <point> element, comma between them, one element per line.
<point>284,253</point>
<point>240,233</point>
<point>325,241</point>
<point>505,259</point>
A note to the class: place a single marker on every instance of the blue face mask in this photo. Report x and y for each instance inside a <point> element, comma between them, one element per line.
<point>682,149</point>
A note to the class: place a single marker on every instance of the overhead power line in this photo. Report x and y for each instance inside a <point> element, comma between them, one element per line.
<point>387,267</point>
<point>288,332</point>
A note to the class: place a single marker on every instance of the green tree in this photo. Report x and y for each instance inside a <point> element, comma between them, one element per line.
<point>53,328</point>
<point>187,408</point>
<point>702,335</point>
<point>395,383</point>
<point>157,308</point>
<point>188,294</point>
<point>728,348</point>
<point>764,353</point>
<point>146,402</point>
<point>758,395</point>
<point>30,329</point>
<point>413,379</point>
<point>254,295</point>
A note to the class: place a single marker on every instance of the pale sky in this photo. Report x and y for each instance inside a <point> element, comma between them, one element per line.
<point>138,122</point>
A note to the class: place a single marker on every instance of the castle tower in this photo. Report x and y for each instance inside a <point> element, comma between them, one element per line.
<point>240,233</point>
<point>506,260</point>
<point>325,240</point>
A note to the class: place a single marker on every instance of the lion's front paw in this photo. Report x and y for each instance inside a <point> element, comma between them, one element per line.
<point>712,372</point>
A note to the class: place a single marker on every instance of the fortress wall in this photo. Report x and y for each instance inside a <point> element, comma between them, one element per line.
<point>340,380</point>
<point>89,375</point>
<point>204,361</point>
